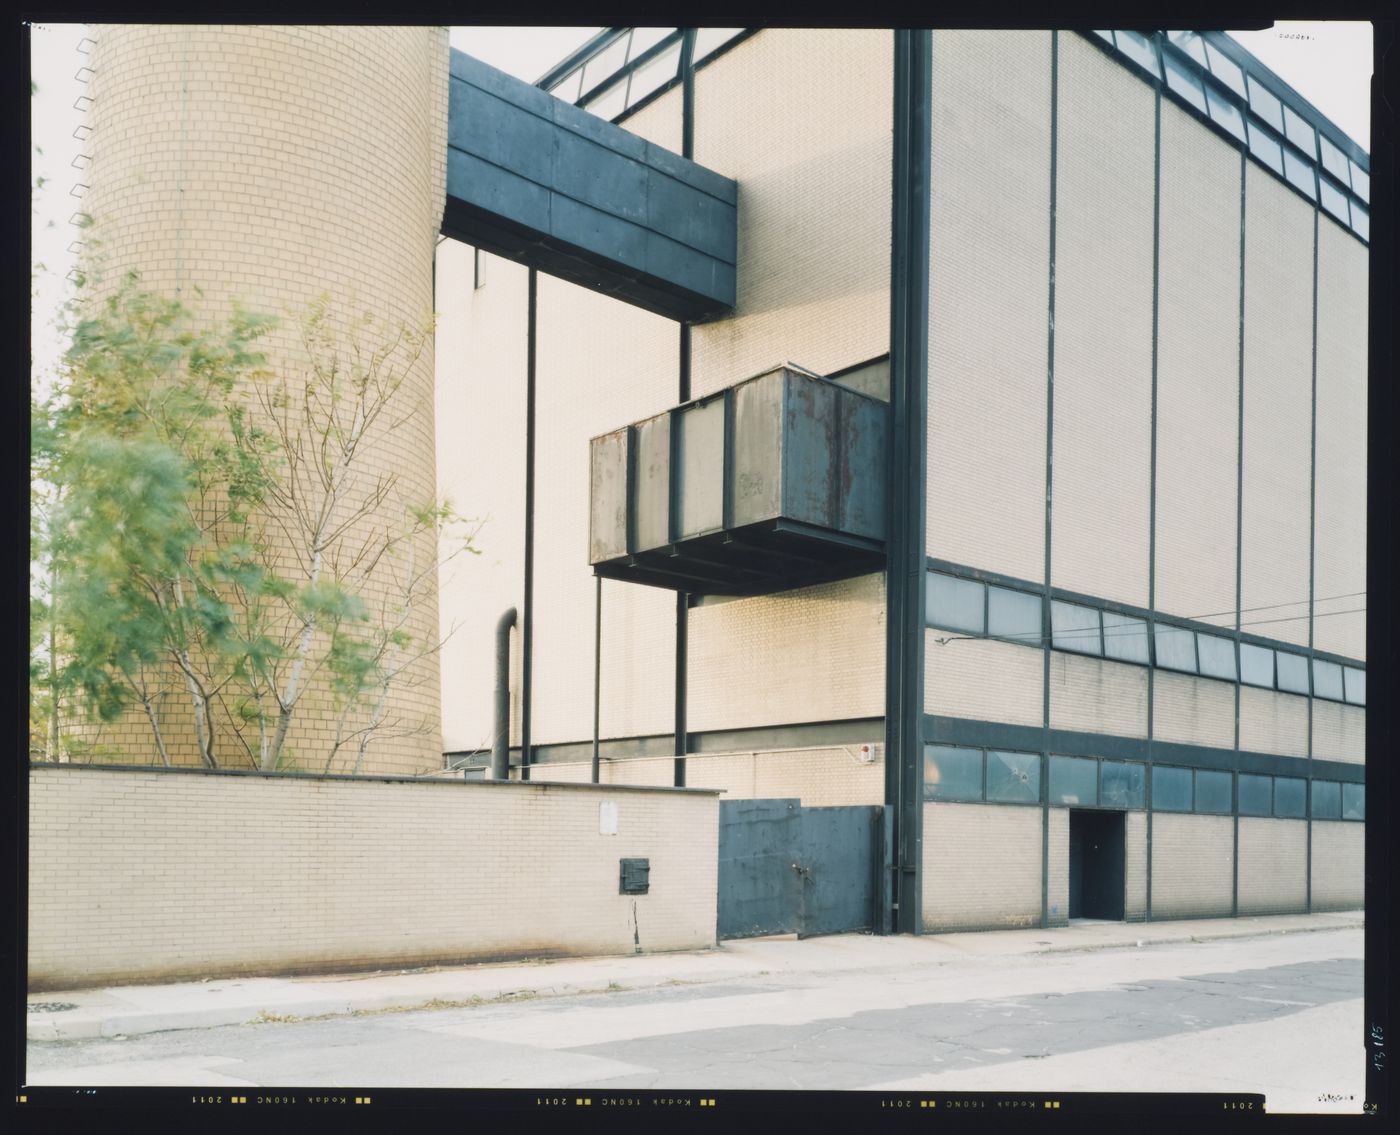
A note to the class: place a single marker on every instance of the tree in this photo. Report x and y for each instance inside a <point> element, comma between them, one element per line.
<point>211,533</point>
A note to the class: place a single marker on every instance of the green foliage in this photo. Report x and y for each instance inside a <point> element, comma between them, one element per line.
<point>166,467</point>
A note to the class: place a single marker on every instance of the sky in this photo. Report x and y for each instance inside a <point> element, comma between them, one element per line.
<point>1328,62</point>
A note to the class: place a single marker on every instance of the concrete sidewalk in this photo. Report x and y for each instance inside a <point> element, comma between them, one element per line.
<point>135,1009</point>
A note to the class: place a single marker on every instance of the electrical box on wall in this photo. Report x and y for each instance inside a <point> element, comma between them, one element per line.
<point>634,876</point>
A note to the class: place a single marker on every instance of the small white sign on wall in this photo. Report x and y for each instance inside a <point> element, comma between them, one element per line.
<point>607,817</point>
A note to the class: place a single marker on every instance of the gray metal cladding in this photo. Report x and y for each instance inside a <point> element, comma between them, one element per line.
<point>771,483</point>
<point>553,186</point>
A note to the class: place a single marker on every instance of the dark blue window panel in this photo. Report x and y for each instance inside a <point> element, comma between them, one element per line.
<point>1226,69</point>
<point>1290,797</point>
<point>1125,638</point>
<point>1296,129</point>
<point>1075,628</point>
<point>1190,43</point>
<point>1013,614</point>
<point>1074,780</point>
<point>1122,784</point>
<point>1360,221</point>
<point>951,773</point>
<point>1013,778</point>
<point>1326,800</point>
<point>1184,83</point>
<point>1264,146</point>
<point>1139,49</point>
<point>1265,104</point>
<point>1212,791</point>
<point>1217,656</point>
<point>1256,795</point>
<point>1334,161</point>
<point>1176,648</point>
<point>1171,789</point>
<point>1224,111</point>
<point>1256,665</point>
<point>1334,200</point>
<point>1300,173</point>
<point>1355,685</point>
<point>1327,680</point>
<point>1360,182</point>
<point>956,604</point>
<point>1353,801</point>
<point>1292,672</point>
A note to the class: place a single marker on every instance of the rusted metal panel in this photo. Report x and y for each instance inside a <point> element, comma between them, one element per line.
<point>607,530</point>
<point>811,455</point>
<point>756,479</point>
<point>700,465</point>
<point>651,499</point>
<point>861,493</point>
<point>775,482</point>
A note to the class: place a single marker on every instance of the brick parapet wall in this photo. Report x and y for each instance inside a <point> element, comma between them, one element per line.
<point>148,875</point>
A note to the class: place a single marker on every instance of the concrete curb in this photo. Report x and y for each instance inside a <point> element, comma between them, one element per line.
<point>127,1011</point>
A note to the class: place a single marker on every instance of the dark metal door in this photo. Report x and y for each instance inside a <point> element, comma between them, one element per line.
<point>784,868</point>
<point>1096,867</point>
<point>837,863</point>
<point>759,892</point>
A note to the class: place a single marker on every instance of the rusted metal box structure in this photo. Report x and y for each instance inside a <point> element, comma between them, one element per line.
<point>771,483</point>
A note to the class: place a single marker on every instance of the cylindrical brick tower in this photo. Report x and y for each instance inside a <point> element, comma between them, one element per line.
<point>271,166</point>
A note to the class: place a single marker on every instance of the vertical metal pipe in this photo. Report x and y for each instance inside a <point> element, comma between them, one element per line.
<point>597,666</point>
<point>527,629</point>
<point>682,742</point>
<point>500,745</point>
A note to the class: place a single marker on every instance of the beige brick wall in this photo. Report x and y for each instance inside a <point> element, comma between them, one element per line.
<point>1339,732</point>
<point>156,876</point>
<point>481,468</point>
<point>1192,865</point>
<point>269,165</point>
<point>1338,865</point>
<point>1277,405</point>
<point>659,121</point>
<point>983,679</point>
<point>1057,881</point>
<point>1340,529</point>
<point>1193,711</point>
<point>1135,866</point>
<point>989,259</point>
<point>981,866</point>
<point>817,777</point>
<point>1273,865</point>
<point>1097,696</point>
<point>1273,722</point>
<point>1103,326</point>
<point>601,364</point>
<point>801,118</point>
<point>638,661</point>
<point>810,654</point>
<point>1198,332</point>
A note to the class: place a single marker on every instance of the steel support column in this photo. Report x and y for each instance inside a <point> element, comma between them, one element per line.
<point>905,572</point>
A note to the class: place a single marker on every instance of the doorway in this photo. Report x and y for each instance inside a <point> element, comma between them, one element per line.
<point>1096,865</point>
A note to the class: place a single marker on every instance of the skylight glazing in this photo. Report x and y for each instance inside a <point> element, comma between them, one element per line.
<point>1222,82</point>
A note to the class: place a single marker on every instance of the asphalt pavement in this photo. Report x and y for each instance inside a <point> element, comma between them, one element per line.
<point>134,1010</point>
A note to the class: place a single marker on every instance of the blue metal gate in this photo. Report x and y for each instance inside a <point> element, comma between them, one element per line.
<point>787,869</point>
